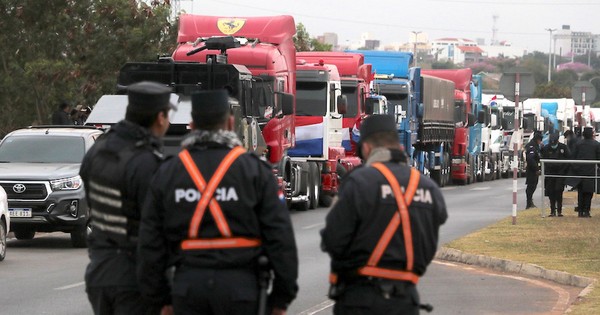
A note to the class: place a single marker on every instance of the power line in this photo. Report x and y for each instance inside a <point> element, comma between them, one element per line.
<point>521,3</point>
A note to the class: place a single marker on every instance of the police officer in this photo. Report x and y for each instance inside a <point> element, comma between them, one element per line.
<point>586,149</point>
<point>116,173</point>
<point>532,172</point>
<point>554,186</point>
<point>382,232</point>
<point>211,212</point>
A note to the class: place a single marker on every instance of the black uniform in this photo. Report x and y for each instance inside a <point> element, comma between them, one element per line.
<point>554,186</point>
<point>354,226</point>
<point>532,171</point>
<point>216,281</point>
<point>120,163</point>
<point>60,117</point>
<point>586,149</point>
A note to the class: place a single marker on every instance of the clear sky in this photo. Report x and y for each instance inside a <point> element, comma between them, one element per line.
<point>521,22</point>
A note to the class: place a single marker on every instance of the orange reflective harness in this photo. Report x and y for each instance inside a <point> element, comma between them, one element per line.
<point>206,200</point>
<point>400,217</point>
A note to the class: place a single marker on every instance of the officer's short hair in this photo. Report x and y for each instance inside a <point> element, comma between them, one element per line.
<point>383,139</point>
<point>588,133</point>
<point>210,109</point>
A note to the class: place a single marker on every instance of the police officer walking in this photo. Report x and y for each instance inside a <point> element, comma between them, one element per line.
<point>116,173</point>
<point>211,212</point>
<point>554,186</point>
<point>532,172</point>
<point>586,149</point>
<point>382,232</point>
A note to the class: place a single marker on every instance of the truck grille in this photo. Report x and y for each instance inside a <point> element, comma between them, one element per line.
<point>32,191</point>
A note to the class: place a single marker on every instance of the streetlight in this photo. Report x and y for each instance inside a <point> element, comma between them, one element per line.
<point>415,46</point>
<point>550,54</point>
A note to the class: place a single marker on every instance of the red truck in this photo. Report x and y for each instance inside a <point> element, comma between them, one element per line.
<point>461,170</point>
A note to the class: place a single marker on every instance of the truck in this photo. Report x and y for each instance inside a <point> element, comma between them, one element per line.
<point>480,136</point>
<point>318,155</point>
<point>356,77</point>
<point>423,107</point>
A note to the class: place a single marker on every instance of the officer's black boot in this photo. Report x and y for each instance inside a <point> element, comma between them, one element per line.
<point>552,211</point>
<point>559,208</point>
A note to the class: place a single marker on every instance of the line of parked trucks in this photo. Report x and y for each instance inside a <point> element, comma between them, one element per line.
<point>301,110</point>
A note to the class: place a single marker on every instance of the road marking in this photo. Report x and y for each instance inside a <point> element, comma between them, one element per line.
<point>318,308</point>
<point>308,227</point>
<point>448,188</point>
<point>481,188</point>
<point>70,286</point>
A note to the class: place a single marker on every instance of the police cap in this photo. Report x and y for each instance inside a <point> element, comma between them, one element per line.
<point>149,96</point>
<point>376,123</point>
<point>537,136</point>
<point>209,107</point>
<point>554,138</point>
<point>588,133</point>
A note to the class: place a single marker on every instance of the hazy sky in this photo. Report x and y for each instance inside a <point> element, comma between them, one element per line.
<point>521,22</point>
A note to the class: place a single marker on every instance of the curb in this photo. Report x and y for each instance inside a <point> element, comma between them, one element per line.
<point>455,255</point>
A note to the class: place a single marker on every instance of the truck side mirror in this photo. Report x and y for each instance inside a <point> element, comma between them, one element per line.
<point>369,106</point>
<point>471,119</point>
<point>342,104</point>
<point>287,104</point>
<point>481,117</point>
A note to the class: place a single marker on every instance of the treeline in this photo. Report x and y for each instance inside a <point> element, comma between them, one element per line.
<point>72,50</point>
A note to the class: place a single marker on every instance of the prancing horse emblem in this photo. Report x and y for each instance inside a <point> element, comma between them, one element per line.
<point>229,26</point>
<point>19,188</point>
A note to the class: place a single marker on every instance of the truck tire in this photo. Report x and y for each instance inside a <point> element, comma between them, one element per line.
<point>447,169</point>
<point>315,185</point>
<point>303,205</point>
<point>24,234</point>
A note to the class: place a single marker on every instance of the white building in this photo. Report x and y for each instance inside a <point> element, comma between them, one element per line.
<point>568,43</point>
<point>457,50</point>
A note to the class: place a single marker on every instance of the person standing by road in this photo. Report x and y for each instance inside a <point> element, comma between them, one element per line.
<point>383,231</point>
<point>211,212</point>
<point>62,116</point>
<point>532,172</point>
<point>554,186</point>
<point>116,173</point>
<point>586,149</point>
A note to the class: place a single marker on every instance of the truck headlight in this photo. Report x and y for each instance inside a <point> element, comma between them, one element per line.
<point>70,183</point>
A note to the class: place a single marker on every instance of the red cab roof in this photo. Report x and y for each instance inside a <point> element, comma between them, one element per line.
<point>460,77</point>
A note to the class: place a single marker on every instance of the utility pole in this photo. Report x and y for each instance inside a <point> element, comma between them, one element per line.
<point>550,55</point>
<point>415,45</point>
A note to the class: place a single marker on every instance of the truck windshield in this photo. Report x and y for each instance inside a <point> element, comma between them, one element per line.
<point>42,149</point>
<point>394,100</point>
<point>508,119</point>
<point>311,98</point>
<point>459,112</point>
<point>352,95</point>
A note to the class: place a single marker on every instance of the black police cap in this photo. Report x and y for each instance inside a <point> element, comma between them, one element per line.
<point>149,96</point>
<point>209,106</point>
<point>554,138</point>
<point>375,124</point>
<point>588,132</point>
<point>537,136</point>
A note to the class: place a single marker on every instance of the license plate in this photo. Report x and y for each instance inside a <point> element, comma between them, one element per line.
<point>19,212</point>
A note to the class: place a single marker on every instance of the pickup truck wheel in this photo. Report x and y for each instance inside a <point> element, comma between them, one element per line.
<point>2,241</point>
<point>24,234</point>
<point>79,236</point>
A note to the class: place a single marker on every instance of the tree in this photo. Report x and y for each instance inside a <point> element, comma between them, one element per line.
<point>72,50</point>
<point>318,46</point>
<point>302,38</point>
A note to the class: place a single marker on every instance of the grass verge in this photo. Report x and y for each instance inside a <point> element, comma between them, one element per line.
<point>568,243</point>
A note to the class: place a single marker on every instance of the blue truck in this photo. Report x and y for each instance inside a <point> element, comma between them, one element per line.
<point>423,107</point>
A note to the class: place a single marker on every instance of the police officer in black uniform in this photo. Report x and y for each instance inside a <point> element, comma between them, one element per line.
<point>586,149</point>
<point>116,173</point>
<point>382,232</point>
<point>554,186</point>
<point>532,172</point>
<point>211,212</point>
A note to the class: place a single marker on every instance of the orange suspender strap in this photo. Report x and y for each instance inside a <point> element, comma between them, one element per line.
<point>400,217</point>
<point>207,191</point>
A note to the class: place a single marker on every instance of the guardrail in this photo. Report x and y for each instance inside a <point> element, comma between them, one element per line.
<point>543,175</point>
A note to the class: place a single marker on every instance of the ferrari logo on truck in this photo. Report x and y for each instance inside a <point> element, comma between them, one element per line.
<point>230,26</point>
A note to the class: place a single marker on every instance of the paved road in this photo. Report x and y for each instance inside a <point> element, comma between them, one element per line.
<point>45,275</point>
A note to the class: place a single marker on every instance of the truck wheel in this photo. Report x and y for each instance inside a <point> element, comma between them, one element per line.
<point>303,205</point>
<point>2,241</point>
<point>24,234</point>
<point>315,185</point>
<point>79,236</point>
<point>447,169</point>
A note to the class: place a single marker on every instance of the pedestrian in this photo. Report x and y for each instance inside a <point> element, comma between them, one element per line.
<point>84,113</point>
<point>554,186</point>
<point>74,116</point>
<point>62,115</point>
<point>586,149</point>
<point>116,173</point>
<point>570,139</point>
<point>211,213</point>
<point>382,232</point>
<point>532,171</point>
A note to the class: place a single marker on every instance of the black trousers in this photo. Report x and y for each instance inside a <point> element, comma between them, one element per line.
<point>556,201</point>
<point>532,182</point>
<point>120,301</point>
<point>366,299</point>
<point>215,292</point>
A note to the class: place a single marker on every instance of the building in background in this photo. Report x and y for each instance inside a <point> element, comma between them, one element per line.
<point>457,50</point>
<point>568,43</point>
<point>329,38</point>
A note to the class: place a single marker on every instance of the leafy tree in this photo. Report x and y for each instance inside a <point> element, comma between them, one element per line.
<point>302,38</point>
<point>443,65</point>
<point>318,46</point>
<point>72,50</point>
<point>551,90</point>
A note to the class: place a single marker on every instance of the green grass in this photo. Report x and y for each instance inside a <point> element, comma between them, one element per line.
<point>569,244</point>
